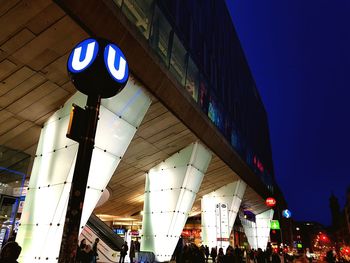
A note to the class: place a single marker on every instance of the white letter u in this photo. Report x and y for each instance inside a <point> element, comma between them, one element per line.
<point>119,73</point>
<point>78,64</point>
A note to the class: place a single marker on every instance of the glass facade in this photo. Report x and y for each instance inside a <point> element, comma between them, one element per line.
<point>197,42</point>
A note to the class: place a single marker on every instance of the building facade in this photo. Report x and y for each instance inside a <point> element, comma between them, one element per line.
<point>193,96</point>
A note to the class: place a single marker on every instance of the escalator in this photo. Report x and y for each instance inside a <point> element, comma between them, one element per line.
<point>110,243</point>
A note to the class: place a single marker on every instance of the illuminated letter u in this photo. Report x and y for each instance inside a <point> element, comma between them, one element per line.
<point>79,63</point>
<point>116,63</point>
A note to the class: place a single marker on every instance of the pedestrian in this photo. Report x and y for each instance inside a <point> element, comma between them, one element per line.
<point>123,252</point>
<point>87,255</point>
<point>220,256</point>
<point>137,245</point>
<point>95,250</point>
<point>252,256</point>
<point>213,254</point>
<point>260,257</point>
<point>275,258</point>
<point>10,252</point>
<point>80,250</point>
<point>206,253</point>
<point>132,251</point>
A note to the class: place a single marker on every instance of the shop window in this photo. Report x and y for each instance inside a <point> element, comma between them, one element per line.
<point>139,12</point>
<point>178,60</point>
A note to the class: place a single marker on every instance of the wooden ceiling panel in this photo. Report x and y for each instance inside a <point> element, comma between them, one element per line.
<point>17,41</point>
<point>8,122</point>
<point>32,134</point>
<point>19,15</point>
<point>57,71</point>
<point>32,97</point>
<point>45,18</point>
<point>14,132</point>
<point>157,125</point>
<point>51,44</point>
<point>45,105</point>
<point>6,68</point>
<point>6,6</point>
<point>18,77</point>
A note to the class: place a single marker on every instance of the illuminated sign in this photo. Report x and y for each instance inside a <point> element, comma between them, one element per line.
<point>97,66</point>
<point>83,55</point>
<point>119,231</point>
<point>270,201</point>
<point>258,164</point>
<point>275,225</point>
<point>286,213</point>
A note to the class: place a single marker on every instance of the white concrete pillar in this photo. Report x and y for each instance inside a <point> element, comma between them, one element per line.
<point>258,232</point>
<point>170,192</point>
<point>217,220</point>
<point>263,225</point>
<point>44,211</point>
<point>250,232</point>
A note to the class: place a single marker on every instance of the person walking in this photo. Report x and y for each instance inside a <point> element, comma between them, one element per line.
<point>123,252</point>
<point>94,250</point>
<point>132,251</point>
<point>220,256</point>
<point>87,255</point>
<point>213,254</point>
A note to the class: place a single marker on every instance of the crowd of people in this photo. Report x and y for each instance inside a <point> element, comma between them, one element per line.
<point>191,253</point>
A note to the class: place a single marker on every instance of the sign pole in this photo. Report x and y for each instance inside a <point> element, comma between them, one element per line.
<point>98,69</point>
<point>81,171</point>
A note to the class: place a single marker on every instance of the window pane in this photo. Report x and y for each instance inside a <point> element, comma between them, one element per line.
<point>192,79</point>
<point>160,33</point>
<point>139,12</point>
<point>178,61</point>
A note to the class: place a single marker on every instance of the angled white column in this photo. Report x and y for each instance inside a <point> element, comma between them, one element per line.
<point>263,225</point>
<point>258,232</point>
<point>250,232</point>
<point>43,216</point>
<point>216,226</point>
<point>170,191</point>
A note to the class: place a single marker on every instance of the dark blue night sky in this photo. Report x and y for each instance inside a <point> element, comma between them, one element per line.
<point>299,54</point>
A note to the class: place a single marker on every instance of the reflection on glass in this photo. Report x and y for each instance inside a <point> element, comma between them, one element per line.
<point>139,12</point>
<point>192,79</point>
<point>178,61</point>
<point>203,95</point>
<point>160,34</point>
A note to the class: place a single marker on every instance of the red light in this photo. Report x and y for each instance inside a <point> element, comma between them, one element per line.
<point>270,201</point>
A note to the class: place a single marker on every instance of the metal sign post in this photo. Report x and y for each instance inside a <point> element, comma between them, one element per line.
<point>98,69</point>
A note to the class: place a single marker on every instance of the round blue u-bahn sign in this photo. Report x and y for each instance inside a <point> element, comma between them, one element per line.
<point>286,213</point>
<point>97,66</point>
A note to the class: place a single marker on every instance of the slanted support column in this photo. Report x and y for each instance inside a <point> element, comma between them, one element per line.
<point>263,225</point>
<point>43,215</point>
<point>170,192</point>
<point>219,211</point>
<point>250,232</point>
<point>258,232</point>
